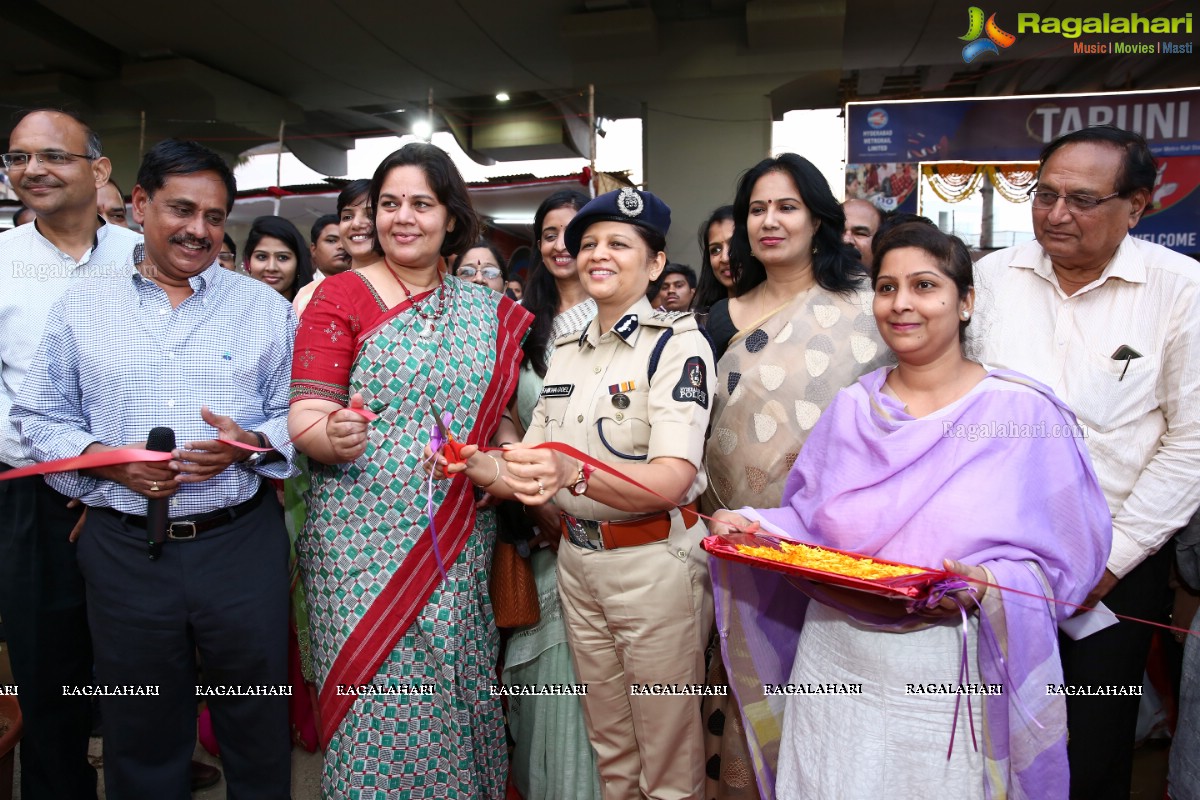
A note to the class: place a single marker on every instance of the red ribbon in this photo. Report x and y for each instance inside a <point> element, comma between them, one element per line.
<point>365,413</point>
<point>584,457</point>
<point>452,452</point>
<point>108,458</point>
<point>454,458</point>
<point>138,455</point>
<point>1076,606</point>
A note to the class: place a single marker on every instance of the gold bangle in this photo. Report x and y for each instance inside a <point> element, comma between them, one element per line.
<point>495,477</point>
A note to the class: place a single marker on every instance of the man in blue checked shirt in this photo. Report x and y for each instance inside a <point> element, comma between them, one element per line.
<point>185,344</point>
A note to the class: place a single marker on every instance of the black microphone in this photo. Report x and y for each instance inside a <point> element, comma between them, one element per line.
<point>160,440</point>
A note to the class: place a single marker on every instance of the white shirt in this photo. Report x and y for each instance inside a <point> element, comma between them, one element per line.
<point>304,293</point>
<point>33,274</point>
<point>1141,416</point>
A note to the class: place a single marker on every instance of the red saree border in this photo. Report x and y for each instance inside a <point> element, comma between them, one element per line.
<point>407,591</point>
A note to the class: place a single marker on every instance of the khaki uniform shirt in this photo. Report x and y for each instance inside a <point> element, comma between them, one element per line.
<point>598,398</point>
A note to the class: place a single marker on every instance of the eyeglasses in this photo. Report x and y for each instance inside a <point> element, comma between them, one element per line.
<point>489,273</point>
<point>1076,203</point>
<point>50,158</point>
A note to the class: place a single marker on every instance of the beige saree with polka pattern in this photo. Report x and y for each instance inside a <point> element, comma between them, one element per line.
<point>775,379</point>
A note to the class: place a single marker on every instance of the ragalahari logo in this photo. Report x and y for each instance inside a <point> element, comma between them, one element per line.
<point>996,38</point>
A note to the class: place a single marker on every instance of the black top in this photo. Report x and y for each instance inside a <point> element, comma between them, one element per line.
<point>720,327</point>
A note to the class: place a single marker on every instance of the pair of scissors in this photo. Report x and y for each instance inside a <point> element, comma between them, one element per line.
<point>443,440</point>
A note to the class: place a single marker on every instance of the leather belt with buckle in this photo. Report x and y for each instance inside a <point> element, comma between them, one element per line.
<point>605,535</point>
<point>182,530</point>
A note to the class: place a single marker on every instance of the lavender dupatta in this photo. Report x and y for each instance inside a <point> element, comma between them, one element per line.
<point>988,480</point>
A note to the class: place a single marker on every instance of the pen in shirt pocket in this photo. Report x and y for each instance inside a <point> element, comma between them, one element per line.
<point>1125,353</point>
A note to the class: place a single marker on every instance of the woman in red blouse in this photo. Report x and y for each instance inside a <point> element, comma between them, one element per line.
<point>415,645</point>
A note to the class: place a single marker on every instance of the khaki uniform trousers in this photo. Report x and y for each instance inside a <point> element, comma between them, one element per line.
<point>636,616</point>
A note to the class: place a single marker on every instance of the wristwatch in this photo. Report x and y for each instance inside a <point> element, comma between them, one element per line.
<point>257,459</point>
<point>581,479</point>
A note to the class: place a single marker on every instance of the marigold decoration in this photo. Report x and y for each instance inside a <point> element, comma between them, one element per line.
<point>818,558</point>
<point>955,182</point>
<point>1013,181</point>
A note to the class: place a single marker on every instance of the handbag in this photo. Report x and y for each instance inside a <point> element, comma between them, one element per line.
<point>513,591</point>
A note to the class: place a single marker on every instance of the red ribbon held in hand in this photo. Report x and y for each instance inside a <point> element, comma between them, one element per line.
<point>107,458</point>
<point>139,455</point>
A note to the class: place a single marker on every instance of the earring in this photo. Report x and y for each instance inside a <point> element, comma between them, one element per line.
<point>814,252</point>
<point>966,315</point>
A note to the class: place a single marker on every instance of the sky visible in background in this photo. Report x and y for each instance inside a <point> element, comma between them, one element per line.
<point>620,149</point>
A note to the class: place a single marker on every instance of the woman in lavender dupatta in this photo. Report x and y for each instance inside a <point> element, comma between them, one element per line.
<point>937,462</point>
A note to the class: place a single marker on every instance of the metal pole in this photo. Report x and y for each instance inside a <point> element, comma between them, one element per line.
<point>279,166</point>
<point>429,109</point>
<point>279,160</point>
<point>988,221</point>
<point>592,139</point>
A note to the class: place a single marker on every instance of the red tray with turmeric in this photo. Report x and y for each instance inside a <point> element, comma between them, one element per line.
<point>825,564</point>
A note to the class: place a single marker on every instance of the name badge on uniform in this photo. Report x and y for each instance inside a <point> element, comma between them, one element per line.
<point>558,390</point>
<point>692,383</point>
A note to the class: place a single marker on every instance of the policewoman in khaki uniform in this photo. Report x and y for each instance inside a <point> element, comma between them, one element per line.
<point>633,391</point>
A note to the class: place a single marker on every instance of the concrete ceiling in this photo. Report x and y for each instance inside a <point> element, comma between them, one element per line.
<point>229,73</point>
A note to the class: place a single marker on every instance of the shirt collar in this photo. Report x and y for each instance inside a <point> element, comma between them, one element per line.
<point>199,282</point>
<point>626,330</point>
<point>1126,264</point>
<point>102,231</point>
<point>100,234</point>
<point>207,279</point>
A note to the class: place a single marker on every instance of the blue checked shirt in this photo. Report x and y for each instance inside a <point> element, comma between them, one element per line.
<point>116,360</point>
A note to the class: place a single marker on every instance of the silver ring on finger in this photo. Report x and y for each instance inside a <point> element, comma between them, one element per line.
<point>541,487</point>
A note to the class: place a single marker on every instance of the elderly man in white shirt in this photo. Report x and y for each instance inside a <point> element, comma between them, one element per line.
<point>1112,324</point>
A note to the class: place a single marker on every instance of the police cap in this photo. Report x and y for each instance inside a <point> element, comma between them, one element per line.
<point>623,205</point>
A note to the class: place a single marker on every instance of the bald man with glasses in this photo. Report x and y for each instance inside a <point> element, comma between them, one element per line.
<point>56,165</point>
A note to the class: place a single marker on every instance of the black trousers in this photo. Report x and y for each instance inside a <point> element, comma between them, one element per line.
<point>45,620</point>
<point>224,593</point>
<point>1101,729</point>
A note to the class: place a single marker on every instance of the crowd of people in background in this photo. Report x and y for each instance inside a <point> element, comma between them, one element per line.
<point>609,407</point>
